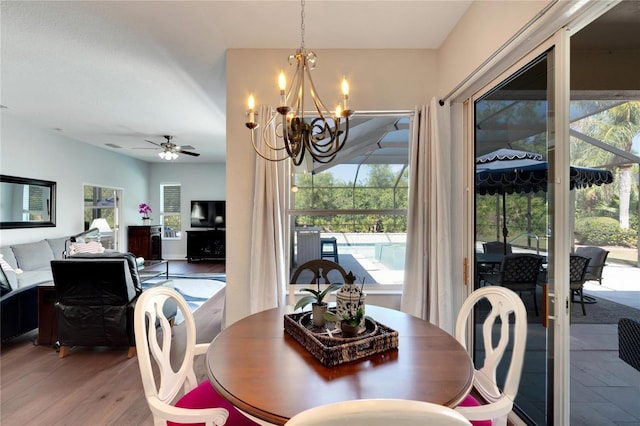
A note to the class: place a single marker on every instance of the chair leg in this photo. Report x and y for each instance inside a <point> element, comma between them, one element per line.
<point>582,302</point>
<point>535,302</point>
<point>132,352</point>
<point>63,351</point>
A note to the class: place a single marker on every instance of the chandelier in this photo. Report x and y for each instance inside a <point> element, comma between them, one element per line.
<point>321,135</point>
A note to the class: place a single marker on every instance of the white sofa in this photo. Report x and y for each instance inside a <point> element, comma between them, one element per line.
<point>29,265</point>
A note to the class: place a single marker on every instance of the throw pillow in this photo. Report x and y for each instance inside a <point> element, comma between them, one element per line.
<point>90,247</point>
<point>33,256</point>
<point>4,265</point>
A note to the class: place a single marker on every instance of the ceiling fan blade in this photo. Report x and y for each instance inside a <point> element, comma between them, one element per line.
<point>193,154</point>
<point>157,144</point>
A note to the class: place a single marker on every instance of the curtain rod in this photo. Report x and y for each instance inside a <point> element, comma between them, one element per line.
<point>390,113</point>
<point>498,52</point>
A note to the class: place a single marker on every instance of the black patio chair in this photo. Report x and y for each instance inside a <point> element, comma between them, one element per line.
<point>518,272</point>
<point>577,276</point>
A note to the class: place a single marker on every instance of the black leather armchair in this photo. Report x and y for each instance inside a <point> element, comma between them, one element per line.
<point>96,300</point>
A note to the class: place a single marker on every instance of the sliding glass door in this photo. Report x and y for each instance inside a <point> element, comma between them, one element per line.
<point>513,134</point>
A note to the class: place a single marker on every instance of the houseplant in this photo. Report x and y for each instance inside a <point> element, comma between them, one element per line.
<point>350,308</point>
<point>144,209</point>
<point>316,298</point>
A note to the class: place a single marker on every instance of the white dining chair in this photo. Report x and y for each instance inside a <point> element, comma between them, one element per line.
<point>379,412</point>
<point>198,403</point>
<point>505,311</point>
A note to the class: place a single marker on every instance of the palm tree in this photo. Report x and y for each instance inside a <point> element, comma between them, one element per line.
<point>621,126</point>
<point>617,127</point>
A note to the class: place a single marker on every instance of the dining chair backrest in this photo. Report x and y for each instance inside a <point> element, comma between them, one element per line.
<point>496,247</point>
<point>318,271</point>
<point>520,268</point>
<point>506,312</point>
<point>578,266</point>
<point>379,412</point>
<point>172,382</point>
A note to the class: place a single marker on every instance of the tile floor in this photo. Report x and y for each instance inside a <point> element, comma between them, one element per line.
<point>604,389</point>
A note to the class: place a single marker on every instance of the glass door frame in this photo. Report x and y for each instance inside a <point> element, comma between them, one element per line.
<point>557,388</point>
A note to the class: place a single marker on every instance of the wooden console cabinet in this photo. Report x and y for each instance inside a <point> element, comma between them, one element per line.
<point>47,324</point>
<point>146,241</point>
<point>206,245</point>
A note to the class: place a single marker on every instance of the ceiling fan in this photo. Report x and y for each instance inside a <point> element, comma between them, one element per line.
<point>170,150</point>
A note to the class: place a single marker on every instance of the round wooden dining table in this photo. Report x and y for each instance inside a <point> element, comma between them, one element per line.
<point>257,366</point>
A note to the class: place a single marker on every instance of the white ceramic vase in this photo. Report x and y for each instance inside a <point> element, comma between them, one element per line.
<point>348,299</point>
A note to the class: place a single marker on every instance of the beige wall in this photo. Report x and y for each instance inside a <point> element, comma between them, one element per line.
<point>484,28</point>
<point>380,80</point>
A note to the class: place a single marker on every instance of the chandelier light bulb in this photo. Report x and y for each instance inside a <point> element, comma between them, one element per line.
<point>252,104</point>
<point>282,84</point>
<point>345,93</point>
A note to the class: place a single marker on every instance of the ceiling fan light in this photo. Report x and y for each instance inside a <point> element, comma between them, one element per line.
<point>161,154</point>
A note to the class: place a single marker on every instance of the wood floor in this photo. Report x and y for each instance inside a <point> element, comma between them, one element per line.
<point>91,386</point>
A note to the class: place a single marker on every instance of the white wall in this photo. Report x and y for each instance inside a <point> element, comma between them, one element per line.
<point>48,155</point>
<point>198,182</point>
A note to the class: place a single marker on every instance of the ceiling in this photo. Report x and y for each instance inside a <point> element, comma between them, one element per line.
<point>116,73</point>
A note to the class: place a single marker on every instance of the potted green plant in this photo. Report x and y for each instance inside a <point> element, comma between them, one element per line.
<point>349,324</point>
<point>316,298</point>
<point>350,310</point>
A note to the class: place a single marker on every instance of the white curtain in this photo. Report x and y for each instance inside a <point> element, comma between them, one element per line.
<point>267,262</point>
<point>427,291</point>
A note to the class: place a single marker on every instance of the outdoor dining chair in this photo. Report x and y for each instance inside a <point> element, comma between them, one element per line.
<point>578,266</point>
<point>598,257</point>
<point>496,247</point>
<point>519,272</point>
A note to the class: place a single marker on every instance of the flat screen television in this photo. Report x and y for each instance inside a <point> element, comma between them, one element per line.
<point>208,214</point>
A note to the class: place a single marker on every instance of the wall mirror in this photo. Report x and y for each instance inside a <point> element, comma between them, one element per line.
<point>27,203</point>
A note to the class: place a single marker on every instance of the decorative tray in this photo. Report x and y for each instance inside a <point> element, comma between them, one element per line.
<point>330,348</point>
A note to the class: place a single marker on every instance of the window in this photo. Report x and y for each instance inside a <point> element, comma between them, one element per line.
<point>360,199</point>
<point>170,214</point>
<point>103,203</point>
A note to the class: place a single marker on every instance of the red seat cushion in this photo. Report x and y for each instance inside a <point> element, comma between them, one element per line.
<point>470,401</point>
<point>205,396</point>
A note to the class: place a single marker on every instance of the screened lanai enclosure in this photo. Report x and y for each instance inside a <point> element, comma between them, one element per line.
<point>354,209</point>
<point>605,135</point>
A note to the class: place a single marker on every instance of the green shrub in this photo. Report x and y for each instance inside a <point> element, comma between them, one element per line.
<point>604,231</point>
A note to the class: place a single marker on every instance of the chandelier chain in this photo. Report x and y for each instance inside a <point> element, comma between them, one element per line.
<point>289,134</point>
<point>302,24</point>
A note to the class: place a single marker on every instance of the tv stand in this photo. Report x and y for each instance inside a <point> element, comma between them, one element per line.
<point>206,244</point>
